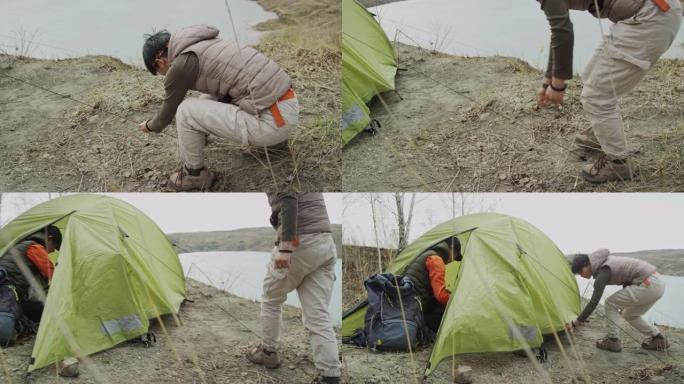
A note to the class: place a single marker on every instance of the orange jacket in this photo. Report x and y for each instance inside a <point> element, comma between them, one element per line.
<point>436,272</point>
<point>38,256</point>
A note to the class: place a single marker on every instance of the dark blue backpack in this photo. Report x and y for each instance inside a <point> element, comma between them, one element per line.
<point>385,328</point>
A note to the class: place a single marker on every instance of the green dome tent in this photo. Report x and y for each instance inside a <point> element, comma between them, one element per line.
<point>115,270</point>
<point>513,280</point>
<point>369,66</point>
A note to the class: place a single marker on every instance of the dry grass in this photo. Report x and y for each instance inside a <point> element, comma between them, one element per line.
<point>359,263</point>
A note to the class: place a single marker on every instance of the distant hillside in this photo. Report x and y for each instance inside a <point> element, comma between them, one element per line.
<point>668,261</point>
<point>245,239</point>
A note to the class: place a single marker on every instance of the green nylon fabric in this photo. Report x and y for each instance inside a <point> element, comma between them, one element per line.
<point>512,277</point>
<point>115,270</point>
<point>369,66</point>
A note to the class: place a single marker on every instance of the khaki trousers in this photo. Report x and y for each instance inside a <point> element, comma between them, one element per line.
<point>619,63</point>
<point>634,301</point>
<point>198,117</point>
<point>311,274</point>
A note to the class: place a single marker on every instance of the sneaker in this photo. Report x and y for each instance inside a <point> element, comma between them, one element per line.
<point>587,145</point>
<point>182,180</point>
<point>656,343</point>
<point>68,367</point>
<point>604,169</point>
<point>260,355</point>
<point>610,344</point>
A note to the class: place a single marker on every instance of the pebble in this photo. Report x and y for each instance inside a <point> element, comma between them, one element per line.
<point>93,119</point>
<point>657,379</point>
<point>464,375</point>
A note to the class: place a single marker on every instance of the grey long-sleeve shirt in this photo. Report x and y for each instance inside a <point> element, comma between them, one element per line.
<point>180,78</point>
<point>602,279</point>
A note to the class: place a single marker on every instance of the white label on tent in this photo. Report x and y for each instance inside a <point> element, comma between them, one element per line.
<point>123,324</point>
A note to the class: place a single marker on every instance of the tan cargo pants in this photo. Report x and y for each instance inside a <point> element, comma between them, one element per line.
<point>634,301</point>
<point>198,117</point>
<point>619,63</point>
<point>312,274</point>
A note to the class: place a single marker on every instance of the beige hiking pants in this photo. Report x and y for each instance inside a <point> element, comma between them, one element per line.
<point>198,117</point>
<point>619,63</point>
<point>634,301</point>
<point>312,274</point>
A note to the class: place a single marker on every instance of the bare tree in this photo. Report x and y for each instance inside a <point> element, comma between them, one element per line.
<point>403,218</point>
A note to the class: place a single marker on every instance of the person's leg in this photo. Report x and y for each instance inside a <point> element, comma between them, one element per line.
<point>275,293</point>
<point>198,117</point>
<point>617,66</point>
<point>314,294</point>
<point>33,310</point>
<point>433,317</point>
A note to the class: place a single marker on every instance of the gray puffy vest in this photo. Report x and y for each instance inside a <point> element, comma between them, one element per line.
<point>251,80</point>
<point>623,270</point>
<point>615,10</point>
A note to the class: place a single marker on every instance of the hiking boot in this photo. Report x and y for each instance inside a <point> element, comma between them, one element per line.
<point>604,169</point>
<point>260,355</point>
<point>587,145</point>
<point>183,180</point>
<point>68,367</point>
<point>610,344</point>
<point>656,343</point>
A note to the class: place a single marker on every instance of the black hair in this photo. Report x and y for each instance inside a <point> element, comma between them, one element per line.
<point>55,234</point>
<point>579,261</point>
<point>155,44</point>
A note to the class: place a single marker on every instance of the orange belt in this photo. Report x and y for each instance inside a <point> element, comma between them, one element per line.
<point>662,4</point>
<point>275,111</point>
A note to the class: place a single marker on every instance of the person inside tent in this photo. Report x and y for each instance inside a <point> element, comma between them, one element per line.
<point>642,287</point>
<point>427,272</point>
<point>20,307</point>
<point>246,97</point>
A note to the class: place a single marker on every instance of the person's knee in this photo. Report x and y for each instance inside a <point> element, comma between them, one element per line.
<point>597,102</point>
<point>184,110</point>
<point>7,329</point>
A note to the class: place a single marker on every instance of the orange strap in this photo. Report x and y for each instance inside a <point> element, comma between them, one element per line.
<point>275,111</point>
<point>436,272</point>
<point>38,256</point>
<point>662,4</point>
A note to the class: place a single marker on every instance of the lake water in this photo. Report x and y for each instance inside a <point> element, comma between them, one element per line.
<point>69,28</point>
<point>242,274</point>
<point>516,28</point>
<point>668,310</point>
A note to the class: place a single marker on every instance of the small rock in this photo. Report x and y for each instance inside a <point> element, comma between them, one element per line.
<point>93,119</point>
<point>464,375</point>
<point>123,120</point>
<point>127,174</point>
<point>484,116</point>
<point>657,379</point>
<point>291,366</point>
